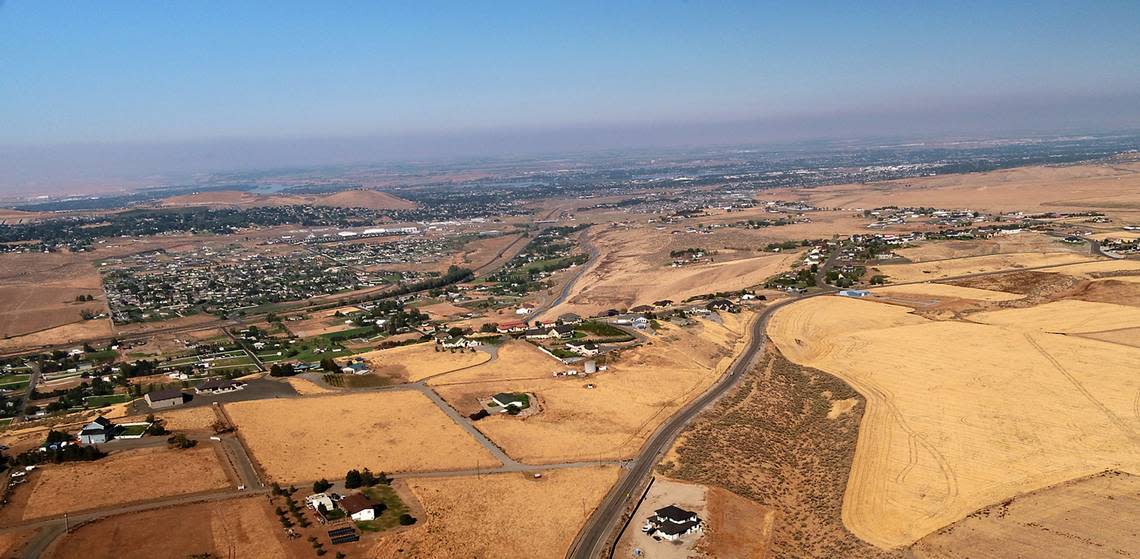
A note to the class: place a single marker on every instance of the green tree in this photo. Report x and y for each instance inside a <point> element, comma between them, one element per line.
<point>353,479</point>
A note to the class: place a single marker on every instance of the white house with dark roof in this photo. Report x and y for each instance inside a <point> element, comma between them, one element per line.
<point>672,523</point>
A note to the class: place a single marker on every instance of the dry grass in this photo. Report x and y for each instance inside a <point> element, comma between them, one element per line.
<point>483,516</point>
<point>941,269</point>
<point>961,415</point>
<point>737,527</point>
<point>1065,316</point>
<point>303,439</point>
<point>1090,517</point>
<point>632,269</point>
<point>1024,242</point>
<point>306,387</point>
<point>516,360</point>
<point>242,528</point>
<point>38,291</point>
<point>419,361</point>
<point>643,388</point>
<point>123,477</point>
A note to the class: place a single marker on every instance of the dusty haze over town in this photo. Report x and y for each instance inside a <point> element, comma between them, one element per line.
<point>572,280</point>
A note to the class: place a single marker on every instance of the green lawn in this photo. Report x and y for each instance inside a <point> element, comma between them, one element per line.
<point>390,518</point>
<point>14,382</point>
<point>99,401</point>
<point>134,430</point>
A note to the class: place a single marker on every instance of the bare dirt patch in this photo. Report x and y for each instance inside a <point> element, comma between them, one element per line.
<point>123,477</point>
<point>464,519</point>
<point>303,439</point>
<point>237,528</point>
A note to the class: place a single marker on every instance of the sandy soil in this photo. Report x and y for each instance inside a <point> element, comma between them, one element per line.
<point>944,290</point>
<point>615,417</point>
<point>152,473</point>
<point>303,439</point>
<point>237,528</point>
<point>939,269</point>
<point>737,528</point>
<point>633,268</point>
<point>419,361</point>
<point>1089,517</point>
<point>466,516</point>
<point>961,415</point>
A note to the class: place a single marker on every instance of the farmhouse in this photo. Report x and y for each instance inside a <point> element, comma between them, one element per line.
<point>671,523</point>
<point>164,398</point>
<point>569,318</point>
<point>586,349</point>
<point>219,386</point>
<point>511,327</point>
<point>458,343</point>
<point>857,293</point>
<point>723,305</point>
<point>550,332</point>
<point>359,507</point>
<point>356,368</point>
<point>97,432</point>
<point>316,500</point>
<point>511,399</point>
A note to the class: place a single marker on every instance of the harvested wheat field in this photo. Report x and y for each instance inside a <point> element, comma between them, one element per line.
<point>941,269</point>
<point>152,473</point>
<point>1023,242</point>
<point>1089,518</point>
<point>515,360</point>
<point>945,290</point>
<point>632,269</point>
<point>306,387</point>
<point>641,389</point>
<point>1124,336</point>
<point>1065,316</point>
<point>961,415</point>
<point>38,292</point>
<point>419,361</point>
<point>1103,268</point>
<point>465,516</point>
<point>243,528</point>
<point>303,439</point>
<point>370,199</point>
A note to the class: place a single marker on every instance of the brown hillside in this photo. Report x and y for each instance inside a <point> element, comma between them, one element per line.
<point>370,199</point>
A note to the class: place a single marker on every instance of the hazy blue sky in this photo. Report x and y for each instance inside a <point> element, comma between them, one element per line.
<point>168,73</point>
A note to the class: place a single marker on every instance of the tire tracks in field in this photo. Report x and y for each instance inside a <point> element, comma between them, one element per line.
<point>1112,417</point>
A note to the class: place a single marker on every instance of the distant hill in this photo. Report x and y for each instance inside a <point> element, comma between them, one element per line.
<point>370,199</point>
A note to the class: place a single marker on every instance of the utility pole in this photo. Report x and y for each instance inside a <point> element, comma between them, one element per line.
<point>66,526</point>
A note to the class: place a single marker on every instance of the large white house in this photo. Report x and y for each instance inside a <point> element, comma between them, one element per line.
<point>672,523</point>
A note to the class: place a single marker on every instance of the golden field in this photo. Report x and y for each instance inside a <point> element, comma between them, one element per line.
<point>303,439</point>
<point>961,415</point>
<point>482,516</point>
<point>149,473</point>
<point>944,290</point>
<point>941,269</point>
<point>419,361</point>
<point>638,392</point>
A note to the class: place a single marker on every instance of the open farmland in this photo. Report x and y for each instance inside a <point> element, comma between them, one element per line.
<point>615,417</point>
<point>1065,316</point>
<point>632,269</point>
<point>243,528</point>
<point>1089,517</point>
<point>940,269</point>
<point>418,361</point>
<point>1023,242</point>
<point>945,290</point>
<point>303,439</point>
<point>466,518</point>
<point>515,359</point>
<point>39,291</point>
<point>961,415</point>
<point>149,473</point>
